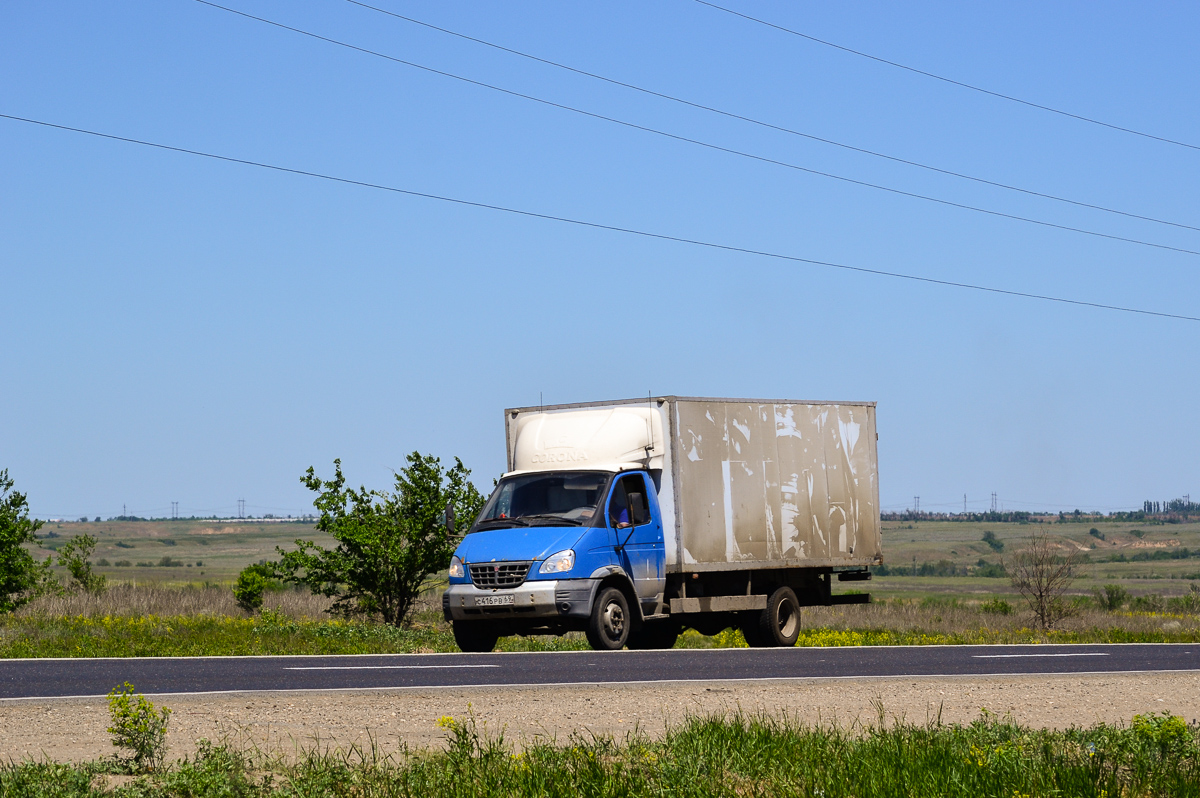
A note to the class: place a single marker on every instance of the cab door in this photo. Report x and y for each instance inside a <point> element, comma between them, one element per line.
<point>634,517</point>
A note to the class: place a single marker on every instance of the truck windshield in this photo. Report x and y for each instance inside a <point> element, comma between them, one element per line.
<point>566,498</point>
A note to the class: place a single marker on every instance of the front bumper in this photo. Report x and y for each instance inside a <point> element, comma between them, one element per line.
<point>538,598</point>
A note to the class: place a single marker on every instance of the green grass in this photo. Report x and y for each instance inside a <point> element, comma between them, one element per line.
<point>273,633</point>
<point>719,756</point>
<point>190,636</point>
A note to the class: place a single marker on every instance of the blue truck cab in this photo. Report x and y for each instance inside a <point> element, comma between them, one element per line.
<point>557,551</point>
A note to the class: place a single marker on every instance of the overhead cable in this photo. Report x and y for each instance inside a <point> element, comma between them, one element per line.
<point>608,227</point>
<point>770,125</point>
<point>952,81</point>
<point>697,142</point>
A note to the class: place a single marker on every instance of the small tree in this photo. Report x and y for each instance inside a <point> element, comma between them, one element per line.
<point>74,556</point>
<point>21,576</point>
<point>388,543</point>
<point>1042,574</point>
<point>138,727</point>
<point>251,583</point>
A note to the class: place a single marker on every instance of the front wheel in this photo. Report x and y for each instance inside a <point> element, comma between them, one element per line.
<point>475,636</point>
<point>608,625</point>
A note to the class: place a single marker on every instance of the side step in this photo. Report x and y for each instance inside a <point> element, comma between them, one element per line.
<point>718,604</point>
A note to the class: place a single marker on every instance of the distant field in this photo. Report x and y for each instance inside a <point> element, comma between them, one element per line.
<point>207,551</point>
<point>963,545</point>
<point>211,551</point>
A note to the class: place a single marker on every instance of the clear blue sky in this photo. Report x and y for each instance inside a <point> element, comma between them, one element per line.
<point>179,329</point>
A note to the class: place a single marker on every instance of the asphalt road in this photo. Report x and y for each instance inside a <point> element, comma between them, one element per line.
<point>44,678</point>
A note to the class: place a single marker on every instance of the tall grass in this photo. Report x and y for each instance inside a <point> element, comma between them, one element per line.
<point>951,616</point>
<point>126,600</point>
<point>715,756</point>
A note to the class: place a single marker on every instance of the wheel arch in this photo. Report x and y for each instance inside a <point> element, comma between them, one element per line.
<point>616,577</point>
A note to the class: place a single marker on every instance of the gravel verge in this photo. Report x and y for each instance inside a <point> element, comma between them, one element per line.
<point>289,722</point>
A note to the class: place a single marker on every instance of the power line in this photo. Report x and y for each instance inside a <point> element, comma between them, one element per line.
<point>697,142</point>
<point>609,227</point>
<point>951,81</point>
<point>771,126</point>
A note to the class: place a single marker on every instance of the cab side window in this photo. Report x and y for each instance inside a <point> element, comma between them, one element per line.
<point>629,505</point>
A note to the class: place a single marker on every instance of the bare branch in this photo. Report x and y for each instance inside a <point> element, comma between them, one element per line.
<point>1042,572</point>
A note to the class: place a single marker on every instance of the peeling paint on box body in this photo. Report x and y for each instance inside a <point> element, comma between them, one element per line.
<point>767,482</point>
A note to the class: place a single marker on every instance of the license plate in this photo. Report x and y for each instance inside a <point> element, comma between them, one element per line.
<point>494,601</point>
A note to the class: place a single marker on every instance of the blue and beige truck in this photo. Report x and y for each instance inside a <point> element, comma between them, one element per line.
<point>632,520</point>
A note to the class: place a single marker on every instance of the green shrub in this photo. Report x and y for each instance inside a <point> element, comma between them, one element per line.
<point>1151,602</point>
<point>74,557</point>
<point>996,606</point>
<point>1188,603</point>
<point>989,538</point>
<point>990,570</point>
<point>170,562</point>
<point>251,582</point>
<point>138,727</point>
<point>21,576</point>
<point>1169,733</point>
<point>122,563</point>
<point>1096,533</point>
<point>123,545</point>
<point>1111,598</point>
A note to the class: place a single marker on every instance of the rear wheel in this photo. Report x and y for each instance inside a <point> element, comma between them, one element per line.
<point>608,626</point>
<point>475,636</point>
<point>654,634</point>
<point>779,623</point>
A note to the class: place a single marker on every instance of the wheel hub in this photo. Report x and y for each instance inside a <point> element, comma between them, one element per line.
<point>614,620</point>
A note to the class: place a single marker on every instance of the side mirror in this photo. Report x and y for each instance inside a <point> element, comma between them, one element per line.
<point>449,517</point>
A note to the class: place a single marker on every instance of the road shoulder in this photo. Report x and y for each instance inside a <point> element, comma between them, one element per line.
<point>286,722</point>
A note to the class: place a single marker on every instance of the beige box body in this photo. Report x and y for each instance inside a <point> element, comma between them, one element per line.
<point>743,483</point>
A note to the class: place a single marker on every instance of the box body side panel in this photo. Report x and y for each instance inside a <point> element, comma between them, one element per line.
<point>775,484</point>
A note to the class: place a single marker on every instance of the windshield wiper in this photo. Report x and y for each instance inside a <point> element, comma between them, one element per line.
<point>553,517</point>
<point>508,521</point>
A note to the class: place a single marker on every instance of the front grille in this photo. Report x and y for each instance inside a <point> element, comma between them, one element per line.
<point>499,574</point>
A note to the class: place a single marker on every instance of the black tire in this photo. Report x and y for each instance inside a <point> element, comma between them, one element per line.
<point>608,625</point>
<point>779,623</point>
<point>654,635</point>
<point>475,636</point>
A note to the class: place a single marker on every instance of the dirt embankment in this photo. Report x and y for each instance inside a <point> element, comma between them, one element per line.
<point>284,722</point>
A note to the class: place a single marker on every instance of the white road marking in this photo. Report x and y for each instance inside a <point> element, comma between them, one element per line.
<point>1006,656</point>
<point>383,667</point>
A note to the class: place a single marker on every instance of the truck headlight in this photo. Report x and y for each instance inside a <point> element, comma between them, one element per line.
<point>456,568</point>
<point>558,563</point>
